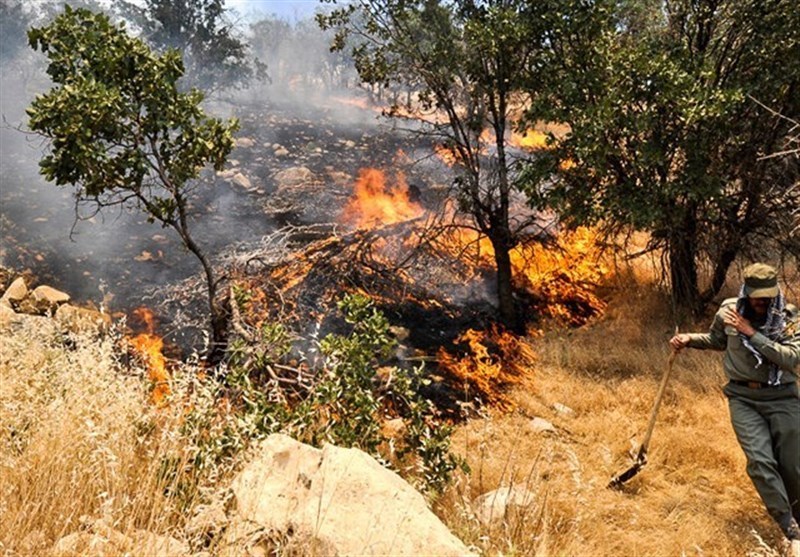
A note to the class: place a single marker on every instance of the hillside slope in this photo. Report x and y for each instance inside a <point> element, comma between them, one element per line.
<point>692,498</point>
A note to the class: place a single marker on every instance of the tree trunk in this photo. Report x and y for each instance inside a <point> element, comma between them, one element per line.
<point>722,263</point>
<point>218,318</point>
<point>505,287</point>
<point>682,252</point>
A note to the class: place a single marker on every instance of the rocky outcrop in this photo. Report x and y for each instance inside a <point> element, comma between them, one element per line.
<point>18,304</point>
<point>15,293</point>
<point>331,501</point>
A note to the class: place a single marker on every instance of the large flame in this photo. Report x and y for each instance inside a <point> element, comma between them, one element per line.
<point>149,346</point>
<point>375,202</point>
<point>563,276</point>
<point>489,363</point>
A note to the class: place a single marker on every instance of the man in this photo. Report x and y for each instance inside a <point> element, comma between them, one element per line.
<point>761,341</point>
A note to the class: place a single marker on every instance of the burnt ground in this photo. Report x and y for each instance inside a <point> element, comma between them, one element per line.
<point>120,260</point>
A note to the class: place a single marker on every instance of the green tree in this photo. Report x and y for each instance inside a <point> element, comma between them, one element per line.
<point>666,134</point>
<point>121,132</point>
<point>466,60</point>
<point>214,54</point>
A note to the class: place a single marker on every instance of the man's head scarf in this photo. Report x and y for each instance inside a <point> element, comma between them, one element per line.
<point>773,329</point>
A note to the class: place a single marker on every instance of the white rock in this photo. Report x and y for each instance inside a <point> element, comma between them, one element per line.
<point>340,498</point>
<point>244,142</point>
<point>294,176</point>
<point>282,152</point>
<point>502,502</point>
<point>539,425</point>
<point>50,295</point>
<point>563,409</point>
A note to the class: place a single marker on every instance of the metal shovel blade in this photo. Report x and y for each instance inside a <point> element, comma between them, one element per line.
<point>617,481</point>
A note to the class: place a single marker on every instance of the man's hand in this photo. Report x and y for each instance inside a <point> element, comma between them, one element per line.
<point>679,342</point>
<point>732,319</point>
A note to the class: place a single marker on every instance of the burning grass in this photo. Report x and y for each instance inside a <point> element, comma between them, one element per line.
<point>76,441</point>
<point>484,365</point>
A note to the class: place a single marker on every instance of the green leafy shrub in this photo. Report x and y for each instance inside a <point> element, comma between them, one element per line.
<point>345,403</point>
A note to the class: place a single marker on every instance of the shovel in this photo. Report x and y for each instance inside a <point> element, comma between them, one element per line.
<point>641,457</point>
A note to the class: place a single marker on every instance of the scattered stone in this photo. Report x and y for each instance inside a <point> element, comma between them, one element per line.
<point>293,177</point>
<point>342,499</point>
<point>100,540</point>
<point>503,503</point>
<point>7,316</point>
<point>539,425</point>
<point>228,174</point>
<point>244,142</point>
<point>563,409</point>
<point>282,152</point>
<point>50,295</point>
<point>242,181</point>
<point>16,292</point>
<point>82,320</point>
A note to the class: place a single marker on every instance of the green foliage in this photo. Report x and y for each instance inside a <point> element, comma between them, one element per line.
<point>120,129</point>
<point>214,55</point>
<point>666,136</point>
<point>346,404</point>
<point>118,125</point>
<point>466,62</point>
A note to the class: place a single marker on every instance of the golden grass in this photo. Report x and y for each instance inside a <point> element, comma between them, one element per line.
<point>693,497</point>
<point>77,441</point>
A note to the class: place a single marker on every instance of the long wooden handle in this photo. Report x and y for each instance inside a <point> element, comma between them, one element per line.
<point>661,388</point>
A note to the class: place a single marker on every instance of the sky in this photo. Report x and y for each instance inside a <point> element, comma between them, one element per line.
<point>286,9</point>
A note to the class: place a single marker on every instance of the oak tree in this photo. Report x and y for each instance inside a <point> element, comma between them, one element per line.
<point>122,133</point>
<point>465,60</point>
<point>669,133</point>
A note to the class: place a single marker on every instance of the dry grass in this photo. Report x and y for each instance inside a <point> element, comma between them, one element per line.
<point>78,441</point>
<point>693,497</point>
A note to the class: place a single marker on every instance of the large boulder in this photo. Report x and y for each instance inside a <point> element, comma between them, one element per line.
<point>337,501</point>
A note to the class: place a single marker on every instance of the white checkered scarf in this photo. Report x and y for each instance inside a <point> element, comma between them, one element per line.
<point>772,329</point>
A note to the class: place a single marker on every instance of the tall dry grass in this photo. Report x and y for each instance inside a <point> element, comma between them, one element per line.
<point>79,441</point>
<point>692,498</point>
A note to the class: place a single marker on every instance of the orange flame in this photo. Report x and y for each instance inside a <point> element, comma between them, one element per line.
<point>376,203</point>
<point>532,140</point>
<point>149,346</point>
<point>563,277</point>
<point>493,361</point>
<point>446,154</point>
